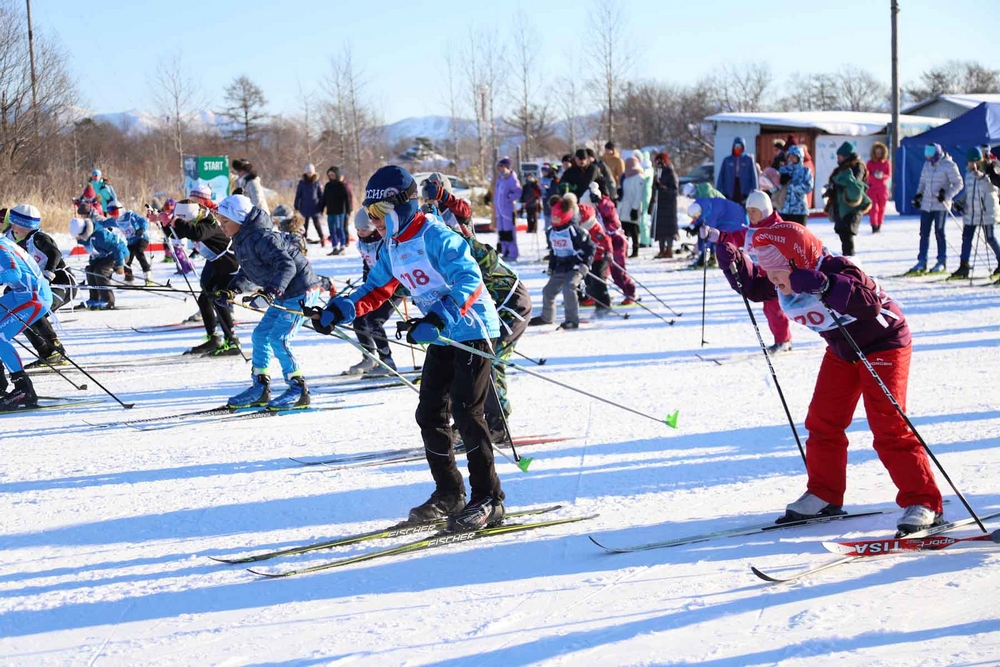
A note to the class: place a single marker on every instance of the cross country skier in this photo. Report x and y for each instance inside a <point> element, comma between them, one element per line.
<point>510,296</point>
<point>24,230</point>
<point>136,230</point>
<point>196,222</point>
<point>107,252</point>
<point>793,266</point>
<point>27,299</point>
<point>569,262</point>
<point>285,281</point>
<point>596,281</point>
<point>436,266</point>
<point>370,327</point>
<point>607,216</point>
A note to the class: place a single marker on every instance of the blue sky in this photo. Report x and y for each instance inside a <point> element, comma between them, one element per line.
<point>400,46</point>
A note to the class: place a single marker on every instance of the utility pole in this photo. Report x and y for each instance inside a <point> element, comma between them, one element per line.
<point>31,56</point>
<point>894,145</point>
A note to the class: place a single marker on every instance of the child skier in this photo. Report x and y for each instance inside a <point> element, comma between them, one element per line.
<point>569,263</point>
<point>195,222</point>
<point>24,230</point>
<point>370,327</point>
<point>136,230</point>
<point>597,277</point>
<point>436,266</point>
<point>27,299</point>
<point>793,267</point>
<point>107,252</point>
<point>510,296</point>
<point>285,281</point>
<point>607,216</point>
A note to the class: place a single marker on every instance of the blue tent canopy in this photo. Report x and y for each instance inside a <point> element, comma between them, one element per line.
<point>977,127</point>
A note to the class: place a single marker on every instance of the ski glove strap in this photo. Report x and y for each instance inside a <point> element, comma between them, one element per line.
<point>425,330</point>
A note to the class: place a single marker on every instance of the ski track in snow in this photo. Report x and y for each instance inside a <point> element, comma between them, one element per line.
<point>106,531</point>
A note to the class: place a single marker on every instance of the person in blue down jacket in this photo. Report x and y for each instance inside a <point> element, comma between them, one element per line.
<point>135,227</point>
<point>798,182</point>
<point>285,282</point>
<point>738,173</point>
<point>436,266</point>
<point>309,201</point>
<point>107,251</point>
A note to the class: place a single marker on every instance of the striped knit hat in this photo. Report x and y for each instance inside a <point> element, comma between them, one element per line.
<point>26,215</point>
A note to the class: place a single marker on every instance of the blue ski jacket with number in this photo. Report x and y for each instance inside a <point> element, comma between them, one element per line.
<point>434,264</point>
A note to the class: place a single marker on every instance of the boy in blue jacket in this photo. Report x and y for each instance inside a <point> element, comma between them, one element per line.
<point>285,282</point>
<point>28,298</point>
<point>136,230</point>
<point>107,252</point>
<point>445,282</point>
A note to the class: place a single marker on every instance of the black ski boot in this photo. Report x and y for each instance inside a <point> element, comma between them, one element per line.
<point>482,513</point>
<point>211,344</point>
<point>962,273</point>
<point>437,507</point>
<point>22,396</point>
<point>230,348</point>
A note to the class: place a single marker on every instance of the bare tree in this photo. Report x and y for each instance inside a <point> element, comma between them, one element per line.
<point>850,88</point>
<point>175,95</point>
<point>609,57</point>
<point>245,104</point>
<point>860,90</point>
<point>955,76</point>
<point>740,88</point>
<point>811,92</point>
<point>485,79</point>
<point>452,102</point>
<point>526,115</point>
<point>569,95</point>
<point>350,118</point>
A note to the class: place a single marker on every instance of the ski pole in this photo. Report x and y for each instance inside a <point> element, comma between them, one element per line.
<point>406,312</point>
<point>892,399</point>
<point>639,303</point>
<point>538,362</point>
<point>622,269</point>
<point>671,420</point>
<point>183,273</point>
<point>78,387</point>
<point>767,357</point>
<point>167,293</point>
<point>704,291</point>
<point>107,391</point>
<point>610,308</point>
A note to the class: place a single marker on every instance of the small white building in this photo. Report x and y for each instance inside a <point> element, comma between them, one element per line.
<point>949,106</point>
<point>820,132</point>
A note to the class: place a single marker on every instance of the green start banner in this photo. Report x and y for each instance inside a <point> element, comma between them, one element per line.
<point>210,170</point>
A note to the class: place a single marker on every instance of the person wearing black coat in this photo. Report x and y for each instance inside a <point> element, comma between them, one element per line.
<point>338,202</point>
<point>664,204</point>
<point>309,201</point>
<point>577,179</point>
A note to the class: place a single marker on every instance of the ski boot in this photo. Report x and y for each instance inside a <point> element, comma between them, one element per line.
<point>627,301</point>
<point>439,506</point>
<point>569,326</point>
<point>210,345</point>
<point>381,371</point>
<point>779,348</point>
<point>98,305</point>
<point>918,269</point>
<point>939,267</point>
<point>229,348</point>
<point>538,320</point>
<point>366,364</point>
<point>809,506</point>
<point>587,302</point>
<point>916,518</point>
<point>962,273</point>
<point>22,396</point>
<point>54,358</point>
<point>480,513</point>
<point>295,397</point>
<point>256,396</point>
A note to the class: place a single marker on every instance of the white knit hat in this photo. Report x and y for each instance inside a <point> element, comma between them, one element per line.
<point>759,200</point>
<point>235,208</point>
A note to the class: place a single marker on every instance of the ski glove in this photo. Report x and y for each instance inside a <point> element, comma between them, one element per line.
<point>809,281</point>
<point>709,234</point>
<point>339,310</point>
<point>261,299</point>
<point>726,254</point>
<point>425,330</point>
<point>917,201</point>
<point>958,207</point>
<point>940,196</point>
<point>224,297</point>
<point>434,191</point>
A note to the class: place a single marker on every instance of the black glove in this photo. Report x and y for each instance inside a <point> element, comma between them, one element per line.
<point>424,330</point>
<point>958,207</point>
<point>786,178</point>
<point>633,215</point>
<point>940,196</point>
<point>691,230</point>
<point>918,200</point>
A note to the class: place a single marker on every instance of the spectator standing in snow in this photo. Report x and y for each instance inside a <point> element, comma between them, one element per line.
<point>630,207</point>
<point>798,183</point>
<point>939,182</point>
<point>846,199</point>
<point>879,173</point>
<point>604,179</point>
<point>506,191</point>
<point>531,201</point>
<point>102,189</point>
<point>779,154</point>
<point>309,201</point>
<point>981,207</point>
<point>664,206</point>
<point>550,186</point>
<point>577,178</point>
<point>248,183</point>
<point>615,166</point>
<point>338,203</point>
<point>738,173</point>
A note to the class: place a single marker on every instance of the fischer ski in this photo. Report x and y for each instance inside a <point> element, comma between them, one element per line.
<point>237,415</point>
<point>410,453</point>
<point>866,548</point>
<point>738,532</point>
<point>400,529</point>
<point>437,540</point>
<point>935,530</point>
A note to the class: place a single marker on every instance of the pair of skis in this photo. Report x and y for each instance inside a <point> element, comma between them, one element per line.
<point>221,413</point>
<point>438,538</point>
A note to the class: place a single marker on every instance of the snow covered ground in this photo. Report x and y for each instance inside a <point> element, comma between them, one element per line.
<point>106,532</point>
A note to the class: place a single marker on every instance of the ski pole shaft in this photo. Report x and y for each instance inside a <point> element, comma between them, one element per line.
<point>493,358</point>
<point>704,292</point>
<point>602,303</point>
<point>78,387</point>
<point>406,313</point>
<point>892,399</point>
<point>636,280</point>
<point>767,357</point>
<point>640,304</point>
<point>107,391</point>
<point>538,362</point>
<point>166,292</point>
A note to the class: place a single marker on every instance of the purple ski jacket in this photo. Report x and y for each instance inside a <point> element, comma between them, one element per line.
<point>507,191</point>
